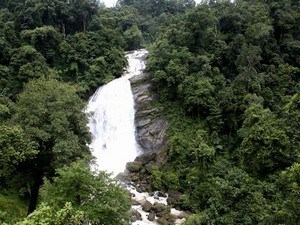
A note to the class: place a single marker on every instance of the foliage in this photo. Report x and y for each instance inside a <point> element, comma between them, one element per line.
<point>15,147</point>
<point>12,208</point>
<point>97,196</point>
<point>227,76</point>
<point>48,216</point>
<point>51,115</point>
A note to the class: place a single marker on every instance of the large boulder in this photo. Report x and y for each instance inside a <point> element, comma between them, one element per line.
<point>151,216</point>
<point>135,215</point>
<point>134,167</point>
<point>147,206</point>
<point>173,197</point>
<point>159,207</point>
<point>145,158</point>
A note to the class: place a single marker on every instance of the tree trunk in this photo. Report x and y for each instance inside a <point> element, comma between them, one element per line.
<point>34,192</point>
<point>84,24</point>
<point>64,29</point>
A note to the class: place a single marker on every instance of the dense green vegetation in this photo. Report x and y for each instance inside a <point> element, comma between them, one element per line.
<point>52,55</point>
<point>228,75</point>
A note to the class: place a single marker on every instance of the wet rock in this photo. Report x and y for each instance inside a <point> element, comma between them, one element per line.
<point>148,167</point>
<point>173,197</point>
<point>159,207</point>
<point>135,178</point>
<point>138,189</point>
<point>134,167</point>
<point>151,216</point>
<point>135,215</point>
<point>142,123</point>
<point>165,221</point>
<point>140,200</point>
<point>179,214</point>
<point>161,194</point>
<point>153,137</point>
<point>151,127</point>
<point>134,202</point>
<point>147,206</point>
<point>145,158</point>
<point>143,188</point>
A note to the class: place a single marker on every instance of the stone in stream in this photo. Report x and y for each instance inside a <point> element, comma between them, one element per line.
<point>147,206</point>
<point>159,207</point>
<point>179,214</point>
<point>151,216</point>
<point>173,197</point>
<point>141,200</point>
<point>161,194</point>
<point>135,202</point>
<point>135,215</point>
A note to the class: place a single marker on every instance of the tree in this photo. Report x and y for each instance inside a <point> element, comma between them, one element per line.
<point>67,215</point>
<point>51,115</point>
<point>133,37</point>
<point>265,146</point>
<point>26,63</point>
<point>44,39</point>
<point>15,147</point>
<point>96,195</point>
<point>289,183</point>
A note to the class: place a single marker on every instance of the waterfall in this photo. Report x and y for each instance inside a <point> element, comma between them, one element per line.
<point>112,119</point>
<point>111,123</point>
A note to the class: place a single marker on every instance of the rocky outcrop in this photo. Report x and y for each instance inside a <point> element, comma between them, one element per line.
<point>150,125</point>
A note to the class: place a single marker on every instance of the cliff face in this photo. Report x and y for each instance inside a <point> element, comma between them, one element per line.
<point>150,125</point>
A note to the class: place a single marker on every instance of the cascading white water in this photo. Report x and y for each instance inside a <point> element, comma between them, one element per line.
<point>112,126</point>
<point>112,119</point>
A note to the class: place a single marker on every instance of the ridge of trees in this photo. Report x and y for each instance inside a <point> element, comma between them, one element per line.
<point>228,75</point>
<point>54,54</point>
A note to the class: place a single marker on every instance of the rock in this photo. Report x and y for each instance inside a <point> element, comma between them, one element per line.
<point>135,178</point>
<point>135,215</point>
<point>153,137</point>
<point>179,214</point>
<point>159,207</point>
<point>134,202</point>
<point>142,123</point>
<point>161,194</point>
<point>148,167</point>
<point>134,167</point>
<point>145,158</point>
<point>147,206</point>
<point>173,197</point>
<point>141,200</point>
<point>144,188</point>
<point>174,194</point>
<point>151,127</point>
<point>165,221</point>
<point>171,201</point>
<point>138,189</point>
<point>151,216</point>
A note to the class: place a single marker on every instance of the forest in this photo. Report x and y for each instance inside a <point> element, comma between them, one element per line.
<point>227,74</point>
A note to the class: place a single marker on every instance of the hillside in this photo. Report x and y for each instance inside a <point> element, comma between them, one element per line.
<point>226,80</point>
